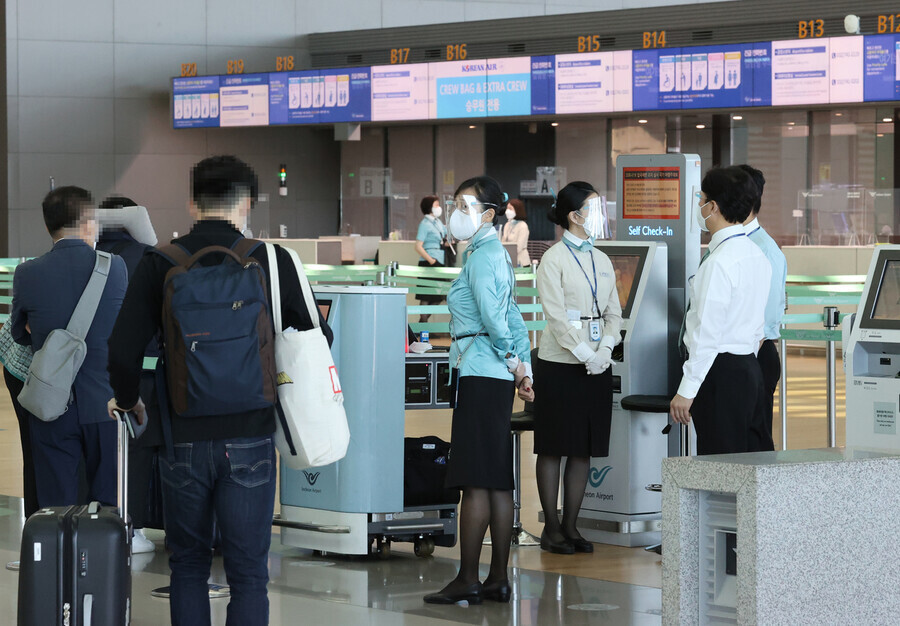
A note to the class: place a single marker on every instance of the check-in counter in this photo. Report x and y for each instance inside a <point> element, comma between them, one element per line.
<point>313,251</point>
<point>401,251</point>
<point>828,260</point>
<point>356,249</point>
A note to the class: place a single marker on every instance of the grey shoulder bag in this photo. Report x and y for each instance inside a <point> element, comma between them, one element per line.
<point>48,386</point>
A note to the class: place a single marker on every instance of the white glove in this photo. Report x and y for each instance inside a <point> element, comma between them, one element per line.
<point>600,362</point>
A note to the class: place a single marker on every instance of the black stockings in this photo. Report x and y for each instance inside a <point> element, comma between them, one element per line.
<point>575,481</point>
<point>479,509</point>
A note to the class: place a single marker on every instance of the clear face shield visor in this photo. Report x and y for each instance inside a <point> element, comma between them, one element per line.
<point>596,220</point>
<point>464,214</point>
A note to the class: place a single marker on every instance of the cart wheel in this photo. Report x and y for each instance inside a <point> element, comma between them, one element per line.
<point>424,546</point>
<point>383,550</point>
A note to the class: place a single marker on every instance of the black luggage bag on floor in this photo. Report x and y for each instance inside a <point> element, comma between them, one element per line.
<point>75,563</point>
<point>425,472</point>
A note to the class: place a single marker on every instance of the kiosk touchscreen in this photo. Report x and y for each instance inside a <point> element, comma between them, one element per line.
<point>872,357</point>
<point>617,508</point>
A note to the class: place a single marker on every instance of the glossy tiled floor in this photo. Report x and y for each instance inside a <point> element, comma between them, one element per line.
<point>333,590</point>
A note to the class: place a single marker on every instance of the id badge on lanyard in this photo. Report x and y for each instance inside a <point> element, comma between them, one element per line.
<point>595,330</point>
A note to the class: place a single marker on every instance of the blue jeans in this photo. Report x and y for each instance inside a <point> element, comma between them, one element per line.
<point>231,481</point>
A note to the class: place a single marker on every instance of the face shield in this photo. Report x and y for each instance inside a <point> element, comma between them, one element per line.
<point>596,220</point>
<point>465,216</point>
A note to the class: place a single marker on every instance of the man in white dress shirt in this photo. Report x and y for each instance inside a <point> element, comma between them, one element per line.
<point>722,384</point>
<point>769,360</point>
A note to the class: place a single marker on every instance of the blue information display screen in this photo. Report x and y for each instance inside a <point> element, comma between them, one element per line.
<point>772,73</point>
<point>195,102</point>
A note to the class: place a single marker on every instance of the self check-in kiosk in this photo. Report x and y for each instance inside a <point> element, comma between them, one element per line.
<point>871,341</point>
<point>617,508</point>
<point>345,506</point>
<point>657,249</point>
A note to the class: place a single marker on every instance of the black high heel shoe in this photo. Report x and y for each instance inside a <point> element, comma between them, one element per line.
<point>472,594</point>
<point>557,547</point>
<point>499,591</point>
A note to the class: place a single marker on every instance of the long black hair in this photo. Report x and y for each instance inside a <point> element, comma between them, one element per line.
<point>570,198</point>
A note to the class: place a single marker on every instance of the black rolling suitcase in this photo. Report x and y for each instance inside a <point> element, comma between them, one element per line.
<point>76,561</point>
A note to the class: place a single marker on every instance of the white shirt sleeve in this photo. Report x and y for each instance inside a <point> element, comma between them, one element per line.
<point>707,320</point>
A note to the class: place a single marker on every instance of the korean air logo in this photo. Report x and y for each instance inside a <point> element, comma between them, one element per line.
<point>312,478</point>
<point>471,67</point>
<point>597,475</point>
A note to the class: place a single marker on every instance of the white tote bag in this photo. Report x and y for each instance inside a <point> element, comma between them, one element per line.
<point>311,424</point>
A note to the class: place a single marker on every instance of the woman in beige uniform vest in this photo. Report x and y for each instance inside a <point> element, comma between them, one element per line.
<point>573,390</point>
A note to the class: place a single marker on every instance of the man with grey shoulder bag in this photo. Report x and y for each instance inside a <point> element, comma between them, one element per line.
<point>64,306</point>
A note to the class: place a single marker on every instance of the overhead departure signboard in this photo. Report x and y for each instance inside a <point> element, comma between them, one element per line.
<point>244,100</point>
<point>509,86</point>
<point>400,92</point>
<point>800,72</point>
<point>457,89</point>
<point>585,83</point>
<point>195,102</point>
<point>778,73</point>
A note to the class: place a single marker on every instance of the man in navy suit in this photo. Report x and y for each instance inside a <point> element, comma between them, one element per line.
<point>45,292</point>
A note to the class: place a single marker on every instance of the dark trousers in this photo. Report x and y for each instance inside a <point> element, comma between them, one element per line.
<point>229,483</point>
<point>14,385</point>
<point>770,364</point>
<point>729,410</point>
<point>58,448</point>
<point>144,490</point>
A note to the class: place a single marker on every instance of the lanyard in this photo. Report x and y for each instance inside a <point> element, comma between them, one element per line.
<point>592,287</point>
<point>731,237</point>
<point>709,252</point>
<point>752,231</point>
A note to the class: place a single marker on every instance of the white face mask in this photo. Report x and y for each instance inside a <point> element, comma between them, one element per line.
<point>510,214</point>
<point>701,221</point>
<point>437,211</point>
<point>465,223</point>
<point>462,226</point>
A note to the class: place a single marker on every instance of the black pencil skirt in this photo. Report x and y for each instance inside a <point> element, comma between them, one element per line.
<point>430,299</point>
<point>480,437</point>
<point>572,410</point>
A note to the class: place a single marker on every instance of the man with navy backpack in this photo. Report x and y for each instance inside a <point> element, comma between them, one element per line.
<point>218,410</point>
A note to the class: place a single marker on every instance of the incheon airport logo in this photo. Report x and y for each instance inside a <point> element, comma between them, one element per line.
<point>597,475</point>
<point>312,478</point>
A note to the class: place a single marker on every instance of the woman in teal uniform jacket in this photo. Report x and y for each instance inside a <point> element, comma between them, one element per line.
<point>431,244</point>
<point>490,351</point>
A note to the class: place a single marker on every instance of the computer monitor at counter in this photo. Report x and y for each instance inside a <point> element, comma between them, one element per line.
<point>628,263</point>
<point>882,305</point>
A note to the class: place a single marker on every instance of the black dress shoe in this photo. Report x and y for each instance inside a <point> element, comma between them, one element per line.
<point>556,547</point>
<point>471,594</point>
<point>581,545</point>
<point>499,591</point>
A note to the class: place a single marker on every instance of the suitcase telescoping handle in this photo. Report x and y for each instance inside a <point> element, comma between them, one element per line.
<point>122,473</point>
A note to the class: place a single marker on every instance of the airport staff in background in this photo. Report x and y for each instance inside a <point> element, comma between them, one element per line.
<point>722,385</point>
<point>224,465</point>
<point>573,404</point>
<point>45,293</point>
<point>125,230</point>
<point>431,244</point>
<point>515,230</point>
<point>769,361</point>
<point>490,354</point>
